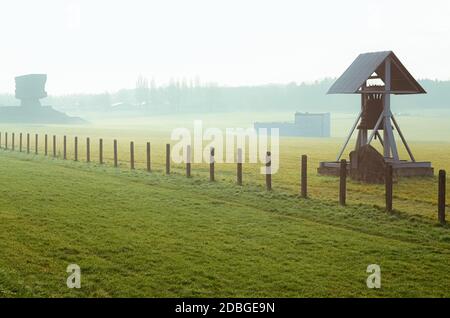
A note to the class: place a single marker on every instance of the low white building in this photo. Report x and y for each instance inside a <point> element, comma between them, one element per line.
<point>304,125</point>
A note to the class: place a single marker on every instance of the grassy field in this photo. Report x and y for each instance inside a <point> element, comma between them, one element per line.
<point>140,234</point>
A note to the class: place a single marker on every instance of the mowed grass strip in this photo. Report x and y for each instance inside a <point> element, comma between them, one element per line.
<point>414,196</point>
<point>149,235</point>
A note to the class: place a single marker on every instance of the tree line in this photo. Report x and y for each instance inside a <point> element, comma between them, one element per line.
<point>194,96</point>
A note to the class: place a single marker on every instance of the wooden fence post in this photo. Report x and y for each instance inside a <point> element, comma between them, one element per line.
<point>76,149</point>
<point>304,177</point>
<point>46,144</point>
<point>115,153</point>
<point>239,167</point>
<point>65,147</point>
<point>20,142</point>
<point>0,140</point>
<point>12,141</point>
<point>100,151</point>
<point>149,167</point>
<point>441,197</point>
<point>36,144</point>
<point>6,141</point>
<point>343,182</point>
<point>88,149</point>
<point>28,143</point>
<point>132,155</point>
<point>188,161</point>
<point>211,164</point>
<point>167,158</point>
<point>54,146</point>
<point>389,187</point>
<point>269,171</point>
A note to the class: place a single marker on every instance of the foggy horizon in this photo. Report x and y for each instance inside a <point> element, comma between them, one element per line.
<point>103,46</point>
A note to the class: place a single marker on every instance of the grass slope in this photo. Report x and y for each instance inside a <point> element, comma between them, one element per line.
<point>149,235</point>
<point>414,196</point>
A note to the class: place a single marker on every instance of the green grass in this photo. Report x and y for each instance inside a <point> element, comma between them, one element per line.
<point>415,196</point>
<point>149,235</point>
<point>140,234</point>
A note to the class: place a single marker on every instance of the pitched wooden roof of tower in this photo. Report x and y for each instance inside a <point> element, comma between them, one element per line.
<point>365,65</point>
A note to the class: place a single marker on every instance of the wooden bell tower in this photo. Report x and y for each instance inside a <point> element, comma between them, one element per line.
<point>376,76</point>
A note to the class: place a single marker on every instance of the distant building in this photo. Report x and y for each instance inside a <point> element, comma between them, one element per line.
<point>305,125</point>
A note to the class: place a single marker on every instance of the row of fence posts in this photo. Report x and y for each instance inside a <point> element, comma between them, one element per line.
<point>88,148</point>
<point>389,187</point>
<point>303,169</point>
<point>148,158</point>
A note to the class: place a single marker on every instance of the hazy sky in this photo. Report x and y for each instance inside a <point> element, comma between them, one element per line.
<point>103,45</point>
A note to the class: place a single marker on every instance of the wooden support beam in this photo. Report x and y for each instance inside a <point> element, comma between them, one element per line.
<point>405,143</point>
<point>375,129</point>
<point>386,92</point>
<point>349,137</point>
<point>380,138</point>
<point>358,140</point>
<point>389,141</point>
